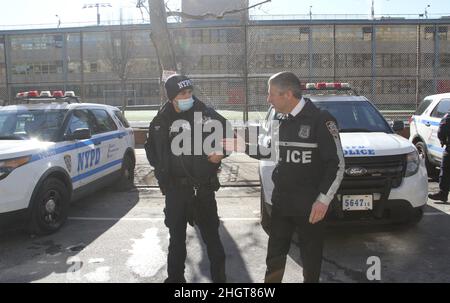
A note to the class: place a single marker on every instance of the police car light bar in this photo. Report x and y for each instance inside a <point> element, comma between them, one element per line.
<point>45,93</point>
<point>57,94</point>
<point>69,93</point>
<point>22,95</point>
<point>328,85</point>
<point>33,94</point>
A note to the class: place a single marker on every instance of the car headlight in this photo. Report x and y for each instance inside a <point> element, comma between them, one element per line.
<point>7,166</point>
<point>412,163</point>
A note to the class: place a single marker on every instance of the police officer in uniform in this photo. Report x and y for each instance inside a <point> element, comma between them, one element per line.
<point>444,175</point>
<point>187,180</point>
<point>309,170</point>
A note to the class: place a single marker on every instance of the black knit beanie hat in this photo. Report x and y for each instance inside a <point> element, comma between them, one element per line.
<point>175,84</point>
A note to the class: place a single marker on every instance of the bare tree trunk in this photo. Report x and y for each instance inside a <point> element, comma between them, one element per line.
<point>161,36</point>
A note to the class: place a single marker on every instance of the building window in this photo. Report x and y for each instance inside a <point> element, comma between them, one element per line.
<point>234,36</point>
<point>279,60</point>
<point>206,36</point>
<point>367,33</point>
<point>428,60</point>
<point>324,34</point>
<point>304,33</point>
<point>93,67</point>
<point>396,33</point>
<point>196,35</point>
<point>322,61</point>
<point>429,33</point>
<point>444,60</point>
<point>442,32</point>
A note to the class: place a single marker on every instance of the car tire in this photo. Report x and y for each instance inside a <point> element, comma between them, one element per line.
<point>432,171</point>
<point>265,216</point>
<point>49,208</point>
<point>126,180</point>
<point>416,217</point>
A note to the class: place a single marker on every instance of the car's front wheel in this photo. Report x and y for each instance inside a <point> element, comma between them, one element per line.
<point>416,216</point>
<point>126,180</point>
<point>49,208</point>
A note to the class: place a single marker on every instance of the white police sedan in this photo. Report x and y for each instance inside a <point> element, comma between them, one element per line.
<point>385,180</point>
<point>56,150</point>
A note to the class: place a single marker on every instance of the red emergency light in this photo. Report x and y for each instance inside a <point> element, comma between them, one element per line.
<point>33,94</point>
<point>327,85</point>
<point>57,94</point>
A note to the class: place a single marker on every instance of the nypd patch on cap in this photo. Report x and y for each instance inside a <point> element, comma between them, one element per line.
<point>175,84</point>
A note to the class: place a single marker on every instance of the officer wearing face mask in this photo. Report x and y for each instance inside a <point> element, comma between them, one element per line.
<point>187,177</point>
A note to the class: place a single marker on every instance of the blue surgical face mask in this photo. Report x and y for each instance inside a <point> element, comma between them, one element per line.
<point>185,104</point>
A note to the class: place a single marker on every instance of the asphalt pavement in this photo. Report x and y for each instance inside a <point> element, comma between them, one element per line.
<point>115,236</point>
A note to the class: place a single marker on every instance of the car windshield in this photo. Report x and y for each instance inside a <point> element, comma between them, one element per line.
<point>356,116</point>
<point>43,125</point>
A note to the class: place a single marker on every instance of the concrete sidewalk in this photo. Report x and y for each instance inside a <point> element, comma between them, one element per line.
<point>237,170</point>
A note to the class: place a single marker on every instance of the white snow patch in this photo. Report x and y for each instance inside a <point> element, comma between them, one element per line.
<point>147,256</point>
<point>101,274</point>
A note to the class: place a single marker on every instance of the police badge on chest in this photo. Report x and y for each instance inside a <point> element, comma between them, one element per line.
<point>304,132</point>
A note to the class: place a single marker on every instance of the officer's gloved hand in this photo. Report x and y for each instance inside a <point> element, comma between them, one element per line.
<point>443,143</point>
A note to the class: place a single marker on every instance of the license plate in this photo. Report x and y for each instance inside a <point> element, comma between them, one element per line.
<point>357,202</point>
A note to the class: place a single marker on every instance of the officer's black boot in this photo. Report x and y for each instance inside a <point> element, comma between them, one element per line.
<point>175,280</point>
<point>439,196</point>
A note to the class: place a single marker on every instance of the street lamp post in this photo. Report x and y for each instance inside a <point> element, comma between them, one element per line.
<point>310,12</point>
<point>426,12</point>
<point>372,10</point>
<point>59,21</point>
<point>97,5</point>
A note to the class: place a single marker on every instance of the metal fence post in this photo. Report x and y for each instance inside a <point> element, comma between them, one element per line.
<point>418,67</point>
<point>246,67</point>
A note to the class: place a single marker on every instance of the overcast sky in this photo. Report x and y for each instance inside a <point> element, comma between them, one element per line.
<point>17,13</point>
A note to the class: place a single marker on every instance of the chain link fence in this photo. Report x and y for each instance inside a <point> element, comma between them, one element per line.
<point>3,95</point>
<point>395,64</point>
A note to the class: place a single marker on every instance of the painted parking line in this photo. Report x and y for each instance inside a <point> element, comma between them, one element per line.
<point>160,219</point>
<point>437,214</point>
<point>148,219</point>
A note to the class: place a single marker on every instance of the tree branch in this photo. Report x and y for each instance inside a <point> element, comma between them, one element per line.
<point>208,14</point>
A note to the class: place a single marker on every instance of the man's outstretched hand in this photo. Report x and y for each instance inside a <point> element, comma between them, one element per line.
<point>236,144</point>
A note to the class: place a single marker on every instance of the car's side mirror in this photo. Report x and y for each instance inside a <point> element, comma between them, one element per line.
<point>398,126</point>
<point>80,134</point>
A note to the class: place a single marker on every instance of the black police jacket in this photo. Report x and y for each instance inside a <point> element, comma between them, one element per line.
<point>310,162</point>
<point>444,130</point>
<point>169,167</point>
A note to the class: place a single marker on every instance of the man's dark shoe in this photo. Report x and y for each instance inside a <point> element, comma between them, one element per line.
<point>175,280</point>
<point>439,196</point>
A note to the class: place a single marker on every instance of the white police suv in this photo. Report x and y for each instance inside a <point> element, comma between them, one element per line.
<point>385,180</point>
<point>54,150</point>
<point>424,125</point>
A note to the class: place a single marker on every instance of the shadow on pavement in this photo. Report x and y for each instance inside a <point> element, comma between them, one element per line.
<point>407,253</point>
<point>24,258</point>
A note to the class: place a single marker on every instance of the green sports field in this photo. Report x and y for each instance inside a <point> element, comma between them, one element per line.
<point>148,115</point>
